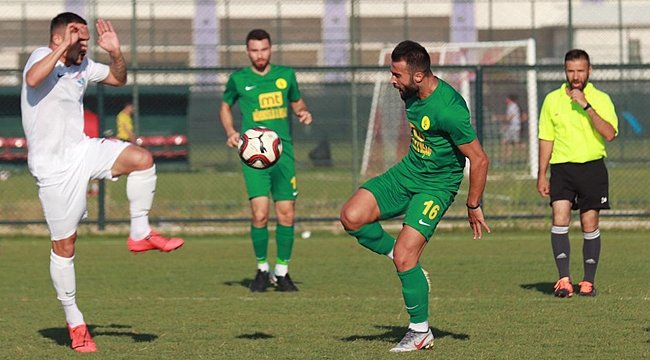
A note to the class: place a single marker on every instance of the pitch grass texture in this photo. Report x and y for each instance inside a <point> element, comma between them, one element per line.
<point>491,299</point>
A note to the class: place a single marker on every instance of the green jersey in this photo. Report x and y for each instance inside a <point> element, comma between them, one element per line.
<point>264,99</point>
<point>439,123</point>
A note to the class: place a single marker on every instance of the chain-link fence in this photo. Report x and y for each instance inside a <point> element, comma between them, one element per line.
<point>178,69</point>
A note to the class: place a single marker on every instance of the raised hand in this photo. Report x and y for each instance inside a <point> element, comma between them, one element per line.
<point>106,36</point>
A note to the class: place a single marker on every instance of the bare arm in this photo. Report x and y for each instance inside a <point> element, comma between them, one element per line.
<point>545,151</point>
<point>300,109</point>
<point>107,39</point>
<point>42,68</point>
<point>225,115</point>
<point>603,127</point>
<point>478,168</point>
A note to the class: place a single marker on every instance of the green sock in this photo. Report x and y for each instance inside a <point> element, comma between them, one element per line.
<point>260,237</point>
<point>284,239</point>
<point>416,293</point>
<point>373,237</point>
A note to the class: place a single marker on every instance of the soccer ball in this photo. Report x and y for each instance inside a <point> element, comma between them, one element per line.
<point>259,147</point>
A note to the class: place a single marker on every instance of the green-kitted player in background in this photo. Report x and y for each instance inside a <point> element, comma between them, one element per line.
<point>422,185</point>
<point>265,93</point>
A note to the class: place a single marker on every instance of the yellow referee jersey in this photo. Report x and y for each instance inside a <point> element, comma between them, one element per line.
<point>565,123</point>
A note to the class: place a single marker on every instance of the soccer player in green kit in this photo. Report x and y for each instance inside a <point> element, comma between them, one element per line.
<point>422,185</point>
<point>265,92</point>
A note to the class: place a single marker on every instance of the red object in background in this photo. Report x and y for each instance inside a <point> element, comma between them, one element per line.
<point>91,124</point>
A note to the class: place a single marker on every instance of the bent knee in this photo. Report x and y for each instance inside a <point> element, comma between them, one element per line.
<point>142,159</point>
<point>351,219</point>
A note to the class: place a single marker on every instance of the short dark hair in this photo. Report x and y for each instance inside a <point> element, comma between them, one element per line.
<point>416,56</point>
<point>258,34</point>
<point>576,54</point>
<point>512,97</point>
<point>64,19</point>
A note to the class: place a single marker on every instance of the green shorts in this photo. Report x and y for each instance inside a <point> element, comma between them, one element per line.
<point>399,195</point>
<point>279,179</point>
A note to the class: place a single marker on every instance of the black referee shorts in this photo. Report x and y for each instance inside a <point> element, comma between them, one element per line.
<point>586,185</point>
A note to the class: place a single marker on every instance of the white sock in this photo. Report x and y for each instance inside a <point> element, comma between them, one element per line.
<point>63,278</point>
<point>419,327</point>
<point>140,189</point>
<point>281,270</point>
<point>263,266</point>
<point>139,226</point>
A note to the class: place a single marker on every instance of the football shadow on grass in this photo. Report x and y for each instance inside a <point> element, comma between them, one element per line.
<point>61,336</point>
<point>543,287</point>
<point>255,336</point>
<point>396,333</point>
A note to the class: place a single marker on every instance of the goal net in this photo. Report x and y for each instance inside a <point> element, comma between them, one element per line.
<point>387,137</point>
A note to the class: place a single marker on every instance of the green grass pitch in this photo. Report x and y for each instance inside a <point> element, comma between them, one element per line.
<point>490,299</point>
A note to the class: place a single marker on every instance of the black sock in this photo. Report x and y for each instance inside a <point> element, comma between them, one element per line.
<point>591,254</point>
<point>561,249</point>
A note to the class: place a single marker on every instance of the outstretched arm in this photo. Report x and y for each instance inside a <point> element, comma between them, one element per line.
<point>107,40</point>
<point>478,168</point>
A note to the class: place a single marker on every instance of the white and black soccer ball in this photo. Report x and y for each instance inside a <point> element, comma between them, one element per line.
<point>259,147</point>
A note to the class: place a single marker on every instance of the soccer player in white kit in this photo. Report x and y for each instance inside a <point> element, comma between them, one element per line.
<point>62,158</point>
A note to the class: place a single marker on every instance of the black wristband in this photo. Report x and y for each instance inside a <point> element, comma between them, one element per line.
<point>473,207</point>
<point>587,107</point>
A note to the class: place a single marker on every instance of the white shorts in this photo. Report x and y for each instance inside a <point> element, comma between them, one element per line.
<point>511,135</point>
<point>64,200</point>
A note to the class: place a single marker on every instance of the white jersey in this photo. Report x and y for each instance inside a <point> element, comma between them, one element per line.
<point>514,114</point>
<point>52,114</point>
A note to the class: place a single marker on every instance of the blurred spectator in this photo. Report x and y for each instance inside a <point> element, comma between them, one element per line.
<point>124,123</point>
<point>511,131</point>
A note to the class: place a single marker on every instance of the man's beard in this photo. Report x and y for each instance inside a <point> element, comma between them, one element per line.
<point>261,68</point>
<point>408,92</point>
<point>75,55</point>
<point>580,87</point>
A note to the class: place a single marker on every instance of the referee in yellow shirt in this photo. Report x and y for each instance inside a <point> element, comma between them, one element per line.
<point>574,123</point>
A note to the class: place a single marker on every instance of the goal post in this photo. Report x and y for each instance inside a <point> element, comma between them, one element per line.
<point>387,136</point>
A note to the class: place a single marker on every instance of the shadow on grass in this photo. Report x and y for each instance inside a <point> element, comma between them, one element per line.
<point>243,282</point>
<point>395,334</point>
<point>648,330</point>
<point>246,282</point>
<point>543,287</point>
<point>256,336</point>
<point>61,336</point>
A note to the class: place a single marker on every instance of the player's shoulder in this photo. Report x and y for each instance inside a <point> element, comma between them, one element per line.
<point>591,89</point>
<point>37,55</point>
<point>240,73</point>
<point>282,69</point>
<point>556,94</point>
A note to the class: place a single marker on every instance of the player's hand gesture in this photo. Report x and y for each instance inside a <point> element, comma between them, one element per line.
<point>477,222</point>
<point>233,140</point>
<point>304,117</point>
<point>74,32</point>
<point>106,36</point>
<point>577,96</point>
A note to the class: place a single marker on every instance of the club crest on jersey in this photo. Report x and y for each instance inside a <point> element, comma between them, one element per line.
<point>281,83</point>
<point>425,123</point>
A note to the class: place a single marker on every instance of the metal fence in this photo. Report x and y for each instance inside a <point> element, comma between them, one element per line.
<point>176,80</point>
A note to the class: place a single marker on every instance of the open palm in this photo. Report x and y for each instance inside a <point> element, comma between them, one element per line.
<point>106,36</point>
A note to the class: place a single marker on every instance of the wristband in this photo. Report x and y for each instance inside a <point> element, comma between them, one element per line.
<point>473,207</point>
<point>587,107</point>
